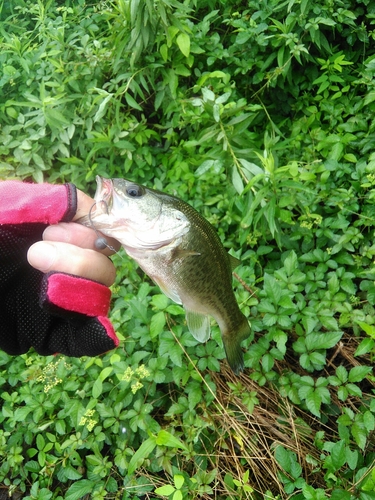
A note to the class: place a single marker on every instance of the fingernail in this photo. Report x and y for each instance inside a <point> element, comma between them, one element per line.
<point>57,232</point>
<point>42,255</point>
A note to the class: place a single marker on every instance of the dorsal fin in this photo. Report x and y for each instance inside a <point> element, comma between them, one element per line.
<point>234,262</point>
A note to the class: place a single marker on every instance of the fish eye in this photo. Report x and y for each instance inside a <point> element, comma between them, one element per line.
<point>135,191</point>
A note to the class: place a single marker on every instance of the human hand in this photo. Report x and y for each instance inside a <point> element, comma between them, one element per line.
<point>70,248</point>
<point>54,306</point>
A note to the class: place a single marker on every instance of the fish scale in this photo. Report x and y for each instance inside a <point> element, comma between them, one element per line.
<point>180,250</point>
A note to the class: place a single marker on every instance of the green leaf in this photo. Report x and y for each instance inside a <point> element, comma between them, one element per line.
<point>69,473</point>
<point>237,180</point>
<point>102,108</point>
<point>290,263</point>
<point>178,481</point>
<point>80,489</point>
<point>157,324</point>
<point>40,442</point>
<point>369,421</point>
<point>132,102</point>
<point>183,42</point>
<point>97,388</point>
<point>143,452</point>
<point>358,373</point>
<point>165,438</point>
<point>369,329</point>
<point>106,372</point>
<point>272,288</point>
<point>360,435</point>
<point>283,458</point>
<point>339,494</point>
<point>165,490</point>
<point>338,455</point>
<point>315,341</point>
<point>366,346</point>
<point>177,495</point>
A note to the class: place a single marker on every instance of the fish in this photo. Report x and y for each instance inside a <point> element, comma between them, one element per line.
<point>180,251</point>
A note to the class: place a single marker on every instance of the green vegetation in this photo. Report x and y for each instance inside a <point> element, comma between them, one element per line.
<point>261,115</point>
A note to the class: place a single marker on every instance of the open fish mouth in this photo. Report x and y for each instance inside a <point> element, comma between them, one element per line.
<point>103,195</point>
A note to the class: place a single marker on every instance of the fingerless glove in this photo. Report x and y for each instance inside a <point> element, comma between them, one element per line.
<point>54,312</point>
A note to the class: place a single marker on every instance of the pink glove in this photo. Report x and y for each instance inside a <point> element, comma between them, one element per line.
<point>54,312</point>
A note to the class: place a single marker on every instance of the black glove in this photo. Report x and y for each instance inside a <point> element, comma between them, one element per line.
<point>54,312</point>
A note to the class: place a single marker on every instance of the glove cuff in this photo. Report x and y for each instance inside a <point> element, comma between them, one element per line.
<point>64,293</point>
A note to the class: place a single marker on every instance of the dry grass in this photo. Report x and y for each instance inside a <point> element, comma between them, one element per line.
<point>246,441</point>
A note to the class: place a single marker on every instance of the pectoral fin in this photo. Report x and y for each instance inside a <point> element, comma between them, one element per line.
<point>180,253</point>
<point>169,292</point>
<point>199,325</point>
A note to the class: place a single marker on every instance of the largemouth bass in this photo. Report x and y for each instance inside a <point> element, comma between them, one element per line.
<point>180,251</point>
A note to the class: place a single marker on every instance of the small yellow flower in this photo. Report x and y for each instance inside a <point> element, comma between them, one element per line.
<point>142,371</point>
<point>128,374</point>
<point>135,386</point>
<point>91,424</point>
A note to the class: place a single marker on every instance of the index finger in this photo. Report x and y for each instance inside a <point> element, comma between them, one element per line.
<point>80,236</point>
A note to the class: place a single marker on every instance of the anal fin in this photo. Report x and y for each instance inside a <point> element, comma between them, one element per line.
<point>199,325</point>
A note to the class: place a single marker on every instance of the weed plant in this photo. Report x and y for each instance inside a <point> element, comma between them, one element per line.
<point>261,115</point>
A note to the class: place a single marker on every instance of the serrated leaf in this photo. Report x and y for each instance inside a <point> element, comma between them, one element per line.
<point>291,263</point>
<point>313,402</point>
<point>358,373</point>
<point>366,346</point>
<point>69,473</point>
<point>315,341</point>
<point>369,421</point>
<point>282,457</point>
<point>79,489</point>
<point>339,494</point>
<point>360,435</point>
<point>369,329</point>
<point>328,321</point>
<point>272,288</point>
<point>338,455</point>
<point>342,374</point>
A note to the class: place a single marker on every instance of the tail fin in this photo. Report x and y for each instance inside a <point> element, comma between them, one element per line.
<point>232,344</point>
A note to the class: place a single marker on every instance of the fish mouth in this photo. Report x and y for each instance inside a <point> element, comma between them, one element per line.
<point>104,194</point>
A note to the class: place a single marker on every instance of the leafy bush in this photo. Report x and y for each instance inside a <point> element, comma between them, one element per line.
<point>261,116</point>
